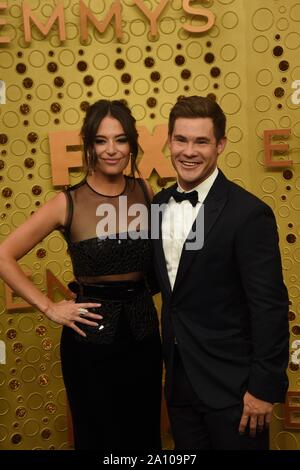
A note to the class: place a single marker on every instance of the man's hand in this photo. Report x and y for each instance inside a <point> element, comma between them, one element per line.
<point>259,413</point>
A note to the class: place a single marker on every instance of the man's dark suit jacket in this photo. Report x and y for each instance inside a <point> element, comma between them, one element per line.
<point>229,306</point>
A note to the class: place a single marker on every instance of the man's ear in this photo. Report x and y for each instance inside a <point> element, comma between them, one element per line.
<point>221,145</point>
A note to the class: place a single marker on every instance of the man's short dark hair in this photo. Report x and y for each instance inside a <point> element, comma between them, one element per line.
<point>199,107</point>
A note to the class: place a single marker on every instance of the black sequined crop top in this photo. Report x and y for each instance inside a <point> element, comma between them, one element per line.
<point>101,231</point>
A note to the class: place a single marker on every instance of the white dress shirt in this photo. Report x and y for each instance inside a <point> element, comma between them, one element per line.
<point>177,222</point>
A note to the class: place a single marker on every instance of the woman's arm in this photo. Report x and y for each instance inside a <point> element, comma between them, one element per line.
<point>49,217</point>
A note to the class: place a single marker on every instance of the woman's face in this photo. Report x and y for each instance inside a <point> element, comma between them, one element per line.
<point>112,147</point>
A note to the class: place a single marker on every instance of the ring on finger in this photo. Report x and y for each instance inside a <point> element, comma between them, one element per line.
<point>82,311</point>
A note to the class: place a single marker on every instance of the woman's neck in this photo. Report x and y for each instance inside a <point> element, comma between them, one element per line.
<point>106,184</point>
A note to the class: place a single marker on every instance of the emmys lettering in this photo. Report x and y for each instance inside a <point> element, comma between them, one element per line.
<point>116,13</point>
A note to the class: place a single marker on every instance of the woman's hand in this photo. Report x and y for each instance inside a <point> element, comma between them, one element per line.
<point>67,312</point>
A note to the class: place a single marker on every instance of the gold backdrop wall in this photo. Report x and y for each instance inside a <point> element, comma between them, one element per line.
<point>248,61</point>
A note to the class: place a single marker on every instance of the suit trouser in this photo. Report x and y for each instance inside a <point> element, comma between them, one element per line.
<point>197,427</point>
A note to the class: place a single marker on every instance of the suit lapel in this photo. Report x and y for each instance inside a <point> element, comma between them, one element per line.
<point>207,215</point>
<point>158,242</point>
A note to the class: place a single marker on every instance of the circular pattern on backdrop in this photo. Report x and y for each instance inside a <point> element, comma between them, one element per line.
<point>234,134</point>
<point>228,52</point>
<point>230,20</point>
<point>138,112</point>
<point>41,117</point>
<point>261,44</point>
<point>292,40</point>
<point>6,59</point>
<point>263,103</point>
<point>164,52</point>
<point>14,93</point>
<point>232,80</point>
<point>101,61</point>
<point>263,19</point>
<point>295,12</point>
<point>201,82</point>
<point>264,77</point>
<point>108,86</point>
<point>194,50</point>
<point>141,86</point>
<point>233,159</point>
<point>134,54</point>
<point>230,103</point>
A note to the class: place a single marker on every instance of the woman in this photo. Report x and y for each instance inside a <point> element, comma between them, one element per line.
<point>110,345</point>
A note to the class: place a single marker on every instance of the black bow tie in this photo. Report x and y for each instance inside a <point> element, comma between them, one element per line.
<point>179,197</point>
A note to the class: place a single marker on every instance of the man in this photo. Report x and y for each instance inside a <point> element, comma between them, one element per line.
<point>225,306</point>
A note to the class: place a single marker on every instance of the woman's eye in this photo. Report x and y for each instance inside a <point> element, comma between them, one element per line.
<point>122,140</point>
<point>99,141</point>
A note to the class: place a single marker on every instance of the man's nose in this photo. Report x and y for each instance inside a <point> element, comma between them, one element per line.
<point>189,149</point>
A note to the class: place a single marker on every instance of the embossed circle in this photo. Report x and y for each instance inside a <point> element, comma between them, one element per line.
<point>4,406</point>
<point>71,116</point>
<point>264,77</point>
<point>10,119</point>
<point>263,103</point>
<point>25,324</point>
<point>264,124</point>
<point>36,59</point>
<point>282,24</point>
<point>167,25</point>
<point>164,52</point>
<point>108,85</point>
<point>15,173</point>
<point>170,85</point>
<point>165,109</point>
<point>134,54</point>
<point>32,354</point>
<point>13,93</point>
<point>74,90</point>
<point>228,52</point>
<point>284,211</point>
<point>285,121</point>
<point>6,59</point>
<point>232,80</point>
<point>261,44</point>
<point>44,91</point>
<point>263,19</point>
<point>269,185</point>
<point>137,28</point>
<point>234,134</point>
<point>230,20</point>
<point>201,82</point>
<point>233,159</point>
<point>28,374</point>
<point>101,61</point>
<point>292,40</point>
<point>295,202</point>
<point>295,12</point>
<point>231,103</point>
<point>18,147</point>
<point>31,427</point>
<point>138,111</point>
<point>141,86</point>
<point>194,50</point>
<point>41,117</point>
<point>66,57</point>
